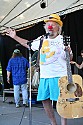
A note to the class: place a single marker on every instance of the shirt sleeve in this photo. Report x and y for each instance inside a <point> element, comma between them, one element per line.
<point>35,44</point>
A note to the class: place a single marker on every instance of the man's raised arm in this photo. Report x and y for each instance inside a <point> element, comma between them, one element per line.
<point>12,33</point>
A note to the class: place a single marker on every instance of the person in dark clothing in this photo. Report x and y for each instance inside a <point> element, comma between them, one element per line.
<point>79,61</point>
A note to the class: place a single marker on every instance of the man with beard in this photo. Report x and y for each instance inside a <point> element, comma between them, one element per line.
<point>52,63</point>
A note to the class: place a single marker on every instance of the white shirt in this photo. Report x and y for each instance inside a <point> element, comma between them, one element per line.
<point>52,57</point>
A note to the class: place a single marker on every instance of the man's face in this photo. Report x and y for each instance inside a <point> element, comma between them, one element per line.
<point>52,27</point>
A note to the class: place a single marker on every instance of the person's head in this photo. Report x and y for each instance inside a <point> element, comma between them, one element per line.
<point>82,53</point>
<point>16,53</point>
<point>53,25</point>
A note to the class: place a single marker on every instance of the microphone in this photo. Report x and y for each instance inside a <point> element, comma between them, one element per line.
<point>28,43</point>
<point>46,36</point>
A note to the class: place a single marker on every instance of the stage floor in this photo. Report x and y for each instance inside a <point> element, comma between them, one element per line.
<point>10,115</point>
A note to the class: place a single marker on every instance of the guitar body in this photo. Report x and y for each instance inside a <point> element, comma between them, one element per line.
<point>70,104</point>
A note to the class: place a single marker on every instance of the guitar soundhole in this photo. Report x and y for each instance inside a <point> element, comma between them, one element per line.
<point>78,92</point>
<point>71,88</point>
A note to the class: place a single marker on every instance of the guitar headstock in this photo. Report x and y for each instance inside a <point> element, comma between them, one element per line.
<point>66,40</point>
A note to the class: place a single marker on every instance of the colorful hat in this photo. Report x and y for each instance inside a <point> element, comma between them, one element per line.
<point>56,18</point>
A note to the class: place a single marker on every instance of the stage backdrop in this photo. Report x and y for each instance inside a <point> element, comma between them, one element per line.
<point>73,27</point>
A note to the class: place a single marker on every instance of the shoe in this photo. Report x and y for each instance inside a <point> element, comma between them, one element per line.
<point>26,105</point>
<point>17,105</point>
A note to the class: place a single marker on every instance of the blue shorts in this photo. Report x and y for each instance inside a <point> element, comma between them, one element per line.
<point>48,89</point>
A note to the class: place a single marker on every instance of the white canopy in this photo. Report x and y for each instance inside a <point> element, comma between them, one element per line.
<point>22,13</point>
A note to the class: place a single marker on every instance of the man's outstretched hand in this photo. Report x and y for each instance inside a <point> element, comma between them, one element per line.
<point>10,32</point>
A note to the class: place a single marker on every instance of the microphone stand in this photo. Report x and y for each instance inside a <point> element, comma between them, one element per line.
<point>30,109</point>
<point>30,105</point>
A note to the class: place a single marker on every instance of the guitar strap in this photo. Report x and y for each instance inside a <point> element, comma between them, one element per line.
<point>38,55</point>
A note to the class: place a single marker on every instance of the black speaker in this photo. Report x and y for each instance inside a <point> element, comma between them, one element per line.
<point>43,4</point>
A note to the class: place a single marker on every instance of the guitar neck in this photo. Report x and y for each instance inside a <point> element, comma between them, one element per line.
<point>69,73</point>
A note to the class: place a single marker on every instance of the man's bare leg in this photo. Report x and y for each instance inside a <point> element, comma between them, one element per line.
<point>63,121</point>
<point>49,111</point>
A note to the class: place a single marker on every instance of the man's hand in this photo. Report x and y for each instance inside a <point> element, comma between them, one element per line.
<point>72,62</point>
<point>8,80</point>
<point>10,32</point>
<point>68,48</point>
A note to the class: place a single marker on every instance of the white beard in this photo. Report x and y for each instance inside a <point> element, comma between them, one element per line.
<point>52,34</point>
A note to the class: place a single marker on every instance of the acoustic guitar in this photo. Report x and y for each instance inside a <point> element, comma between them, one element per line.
<point>70,101</point>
